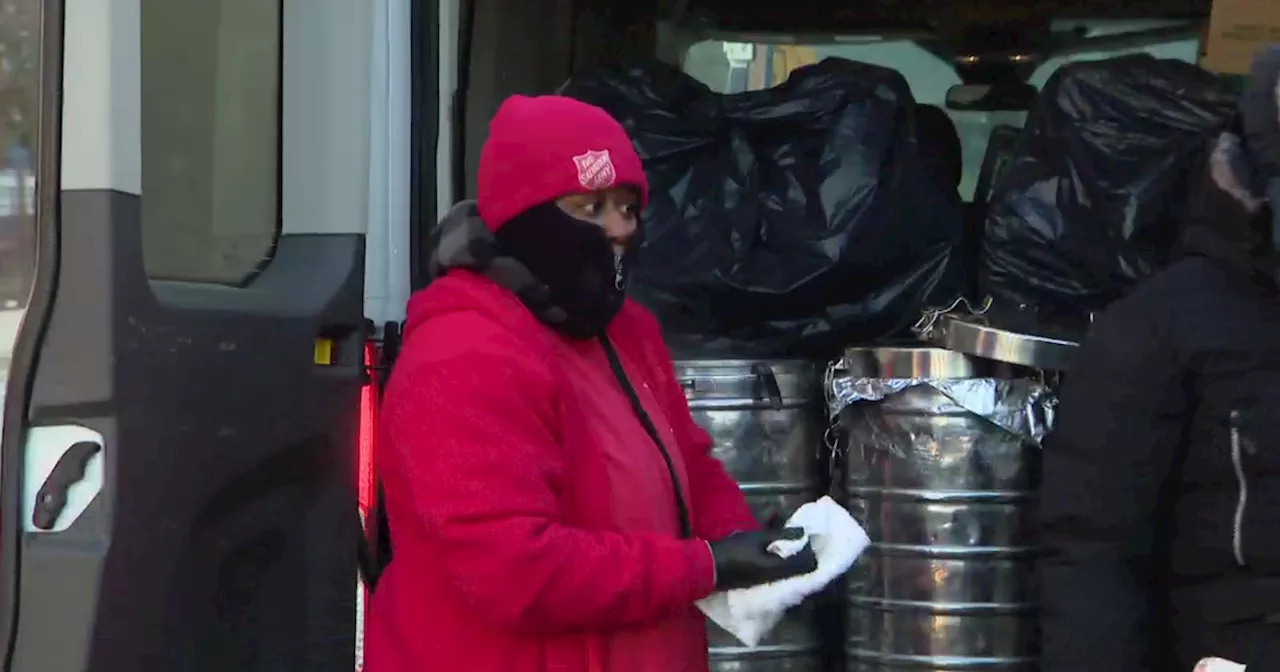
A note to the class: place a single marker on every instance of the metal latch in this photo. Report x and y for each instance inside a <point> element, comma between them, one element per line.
<point>63,472</point>
<point>51,498</point>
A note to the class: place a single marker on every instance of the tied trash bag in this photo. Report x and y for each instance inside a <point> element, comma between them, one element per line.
<point>1095,196</point>
<point>785,222</point>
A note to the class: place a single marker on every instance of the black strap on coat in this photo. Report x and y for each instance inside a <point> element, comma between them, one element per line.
<point>682,510</point>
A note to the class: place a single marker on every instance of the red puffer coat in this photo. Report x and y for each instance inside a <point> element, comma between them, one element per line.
<point>534,520</point>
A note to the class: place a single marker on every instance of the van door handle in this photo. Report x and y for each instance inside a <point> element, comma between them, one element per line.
<point>51,498</point>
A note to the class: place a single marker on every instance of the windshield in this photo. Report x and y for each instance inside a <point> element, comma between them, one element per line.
<point>734,67</point>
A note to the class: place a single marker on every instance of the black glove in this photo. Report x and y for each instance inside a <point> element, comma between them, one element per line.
<point>743,559</point>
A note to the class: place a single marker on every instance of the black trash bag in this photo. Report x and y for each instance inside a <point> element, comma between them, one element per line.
<point>787,222</point>
<point>1094,198</point>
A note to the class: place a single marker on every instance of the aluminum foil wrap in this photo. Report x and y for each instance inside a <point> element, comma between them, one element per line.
<point>1022,407</point>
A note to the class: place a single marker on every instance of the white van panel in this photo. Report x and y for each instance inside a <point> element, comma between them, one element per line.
<point>102,96</point>
<point>387,251</point>
<point>325,116</point>
<point>448,86</point>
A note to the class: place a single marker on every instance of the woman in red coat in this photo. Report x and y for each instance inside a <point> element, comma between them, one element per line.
<point>552,504</point>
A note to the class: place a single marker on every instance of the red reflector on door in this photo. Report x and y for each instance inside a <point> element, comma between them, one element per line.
<point>366,448</point>
<point>366,482</point>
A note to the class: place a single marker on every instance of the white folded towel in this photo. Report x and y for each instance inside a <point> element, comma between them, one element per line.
<point>837,540</point>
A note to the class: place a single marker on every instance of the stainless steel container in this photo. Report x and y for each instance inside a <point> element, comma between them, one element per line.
<point>944,451</point>
<point>767,420</point>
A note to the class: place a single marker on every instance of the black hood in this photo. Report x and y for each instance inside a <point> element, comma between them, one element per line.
<point>1237,208</point>
<point>462,240</point>
<point>1230,218</point>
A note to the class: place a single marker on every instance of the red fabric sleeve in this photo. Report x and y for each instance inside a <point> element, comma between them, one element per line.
<point>718,506</point>
<point>474,438</point>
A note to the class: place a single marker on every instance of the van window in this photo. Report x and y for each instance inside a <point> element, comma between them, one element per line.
<point>735,67</point>
<point>19,128</point>
<point>210,138</point>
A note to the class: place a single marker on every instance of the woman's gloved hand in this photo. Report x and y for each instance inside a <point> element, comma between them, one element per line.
<point>743,559</point>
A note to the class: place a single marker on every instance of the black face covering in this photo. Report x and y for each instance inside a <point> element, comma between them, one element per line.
<point>576,262</point>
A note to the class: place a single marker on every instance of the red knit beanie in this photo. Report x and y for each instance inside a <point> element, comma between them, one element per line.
<point>545,147</point>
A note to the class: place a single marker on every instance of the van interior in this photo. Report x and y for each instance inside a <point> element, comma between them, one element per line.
<point>982,62</point>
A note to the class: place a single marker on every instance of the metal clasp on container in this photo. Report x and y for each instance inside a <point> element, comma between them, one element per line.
<point>767,384</point>
<point>689,385</point>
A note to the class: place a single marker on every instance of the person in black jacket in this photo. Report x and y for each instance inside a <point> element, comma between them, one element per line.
<point>1160,505</point>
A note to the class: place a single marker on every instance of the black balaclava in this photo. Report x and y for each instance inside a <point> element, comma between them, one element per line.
<point>575,259</point>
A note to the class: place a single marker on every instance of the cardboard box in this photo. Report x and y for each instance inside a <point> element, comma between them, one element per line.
<point>1237,30</point>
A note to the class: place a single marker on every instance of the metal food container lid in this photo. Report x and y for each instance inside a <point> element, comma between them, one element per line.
<point>922,362</point>
<point>1012,339</point>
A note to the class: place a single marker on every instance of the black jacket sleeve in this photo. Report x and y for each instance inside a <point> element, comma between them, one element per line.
<point>1118,430</point>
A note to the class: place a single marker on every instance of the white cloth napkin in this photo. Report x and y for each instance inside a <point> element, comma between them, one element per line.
<point>1218,665</point>
<point>837,540</point>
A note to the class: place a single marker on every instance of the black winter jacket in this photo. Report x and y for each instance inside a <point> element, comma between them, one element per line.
<point>1160,505</point>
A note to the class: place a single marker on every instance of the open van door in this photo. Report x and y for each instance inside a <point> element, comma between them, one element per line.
<point>181,413</point>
